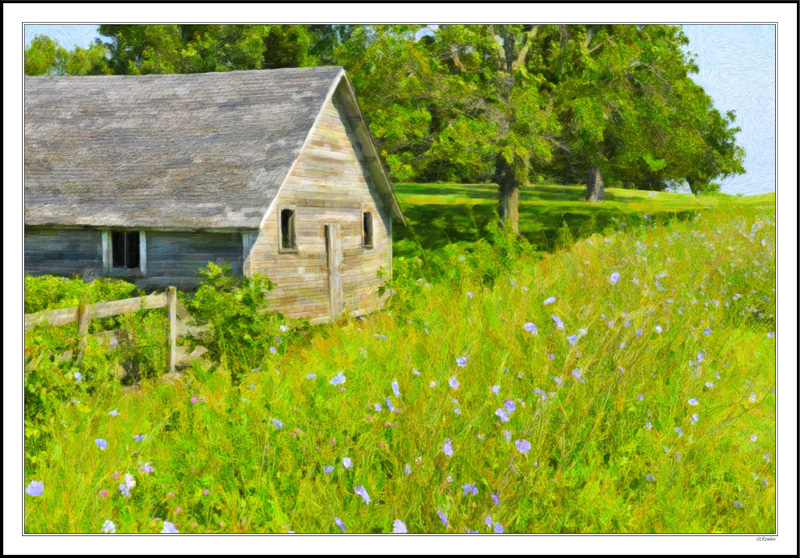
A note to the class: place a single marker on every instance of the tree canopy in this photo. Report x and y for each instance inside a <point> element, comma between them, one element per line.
<point>604,104</point>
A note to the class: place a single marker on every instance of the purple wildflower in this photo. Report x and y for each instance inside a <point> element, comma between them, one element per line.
<point>448,447</point>
<point>559,323</point>
<point>389,405</point>
<point>277,424</point>
<point>361,491</point>
<point>550,300</point>
<point>531,327</point>
<point>693,401</point>
<point>572,338</point>
<point>338,379</point>
<point>501,413</point>
<point>453,383</point>
<point>109,527</point>
<point>346,462</point>
<point>340,523</point>
<point>523,446</point>
<point>311,376</point>
<point>442,516</point>
<point>461,361</point>
<point>102,444</point>
<point>169,528</point>
<point>399,527</point>
<point>495,498</point>
<point>470,489</point>
<point>396,388</point>
<point>498,528</point>
<point>614,278</point>
<point>35,488</point>
<point>495,389</point>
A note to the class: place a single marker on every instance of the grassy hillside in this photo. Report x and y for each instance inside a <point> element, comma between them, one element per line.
<point>439,214</point>
<point>622,384</point>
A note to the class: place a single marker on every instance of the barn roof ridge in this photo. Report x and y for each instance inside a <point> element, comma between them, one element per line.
<point>194,151</point>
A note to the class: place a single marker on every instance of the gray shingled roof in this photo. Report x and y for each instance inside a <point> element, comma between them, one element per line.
<point>182,151</point>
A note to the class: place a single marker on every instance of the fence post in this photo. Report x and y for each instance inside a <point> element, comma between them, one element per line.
<point>83,329</point>
<point>172,314</point>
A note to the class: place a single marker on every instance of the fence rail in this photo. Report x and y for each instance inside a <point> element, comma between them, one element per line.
<point>84,313</point>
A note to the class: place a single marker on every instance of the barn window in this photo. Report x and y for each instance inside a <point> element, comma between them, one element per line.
<point>124,250</point>
<point>288,235</point>
<point>367,233</point>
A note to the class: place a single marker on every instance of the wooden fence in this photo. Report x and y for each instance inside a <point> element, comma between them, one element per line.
<point>84,313</point>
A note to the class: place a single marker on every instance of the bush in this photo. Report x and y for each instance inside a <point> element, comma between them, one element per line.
<point>47,292</point>
<point>241,332</point>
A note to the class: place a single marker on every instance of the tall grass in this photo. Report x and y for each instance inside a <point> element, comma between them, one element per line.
<point>614,445</point>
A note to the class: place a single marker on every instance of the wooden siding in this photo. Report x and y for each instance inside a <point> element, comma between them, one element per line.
<point>330,183</point>
<point>175,258</point>
<point>63,252</point>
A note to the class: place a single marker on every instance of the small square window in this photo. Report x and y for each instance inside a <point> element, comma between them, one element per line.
<point>367,232</point>
<point>125,249</point>
<point>287,232</point>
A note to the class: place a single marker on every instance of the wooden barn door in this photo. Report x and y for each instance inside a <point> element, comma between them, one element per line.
<point>333,247</point>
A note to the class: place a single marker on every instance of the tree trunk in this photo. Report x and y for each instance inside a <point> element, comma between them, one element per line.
<point>595,191</point>
<point>692,185</point>
<point>508,192</point>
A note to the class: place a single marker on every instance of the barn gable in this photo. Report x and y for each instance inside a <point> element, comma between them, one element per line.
<point>330,183</point>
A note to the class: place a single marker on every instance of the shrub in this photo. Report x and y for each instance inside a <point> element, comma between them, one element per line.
<point>241,329</point>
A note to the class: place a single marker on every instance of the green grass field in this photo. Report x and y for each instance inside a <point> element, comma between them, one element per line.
<point>439,214</point>
<point>619,380</point>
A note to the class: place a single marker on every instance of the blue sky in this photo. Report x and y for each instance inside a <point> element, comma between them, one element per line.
<point>737,69</point>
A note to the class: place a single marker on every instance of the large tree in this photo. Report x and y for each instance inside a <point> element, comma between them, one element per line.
<point>630,112</point>
<point>468,96</point>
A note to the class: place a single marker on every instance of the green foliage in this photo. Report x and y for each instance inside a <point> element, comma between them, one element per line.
<point>242,332</point>
<point>48,292</point>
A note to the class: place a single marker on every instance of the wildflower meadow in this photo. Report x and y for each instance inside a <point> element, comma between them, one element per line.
<point>619,380</point>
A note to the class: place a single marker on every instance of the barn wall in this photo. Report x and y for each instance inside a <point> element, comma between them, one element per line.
<point>63,252</point>
<point>329,183</point>
<point>173,258</point>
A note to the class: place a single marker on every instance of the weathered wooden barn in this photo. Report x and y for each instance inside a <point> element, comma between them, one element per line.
<point>148,178</point>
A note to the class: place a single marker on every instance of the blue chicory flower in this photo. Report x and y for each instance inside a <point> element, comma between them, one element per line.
<point>496,498</point>
<point>399,527</point>
<point>102,444</point>
<point>361,491</point>
<point>396,389</point>
<point>550,300</point>
<point>523,446</point>
<point>448,447</point>
<point>109,527</point>
<point>693,401</point>
<point>559,323</point>
<point>572,338</point>
<point>340,523</point>
<point>169,528</point>
<point>35,488</point>
<point>531,327</point>
<point>498,528</point>
<point>461,361</point>
<point>614,278</point>
<point>346,462</point>
<point>278,424</point>
<point>453,383</point>
<point>338,379</point>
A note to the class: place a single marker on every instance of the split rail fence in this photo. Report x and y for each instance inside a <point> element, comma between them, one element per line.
<point>84,313</point>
